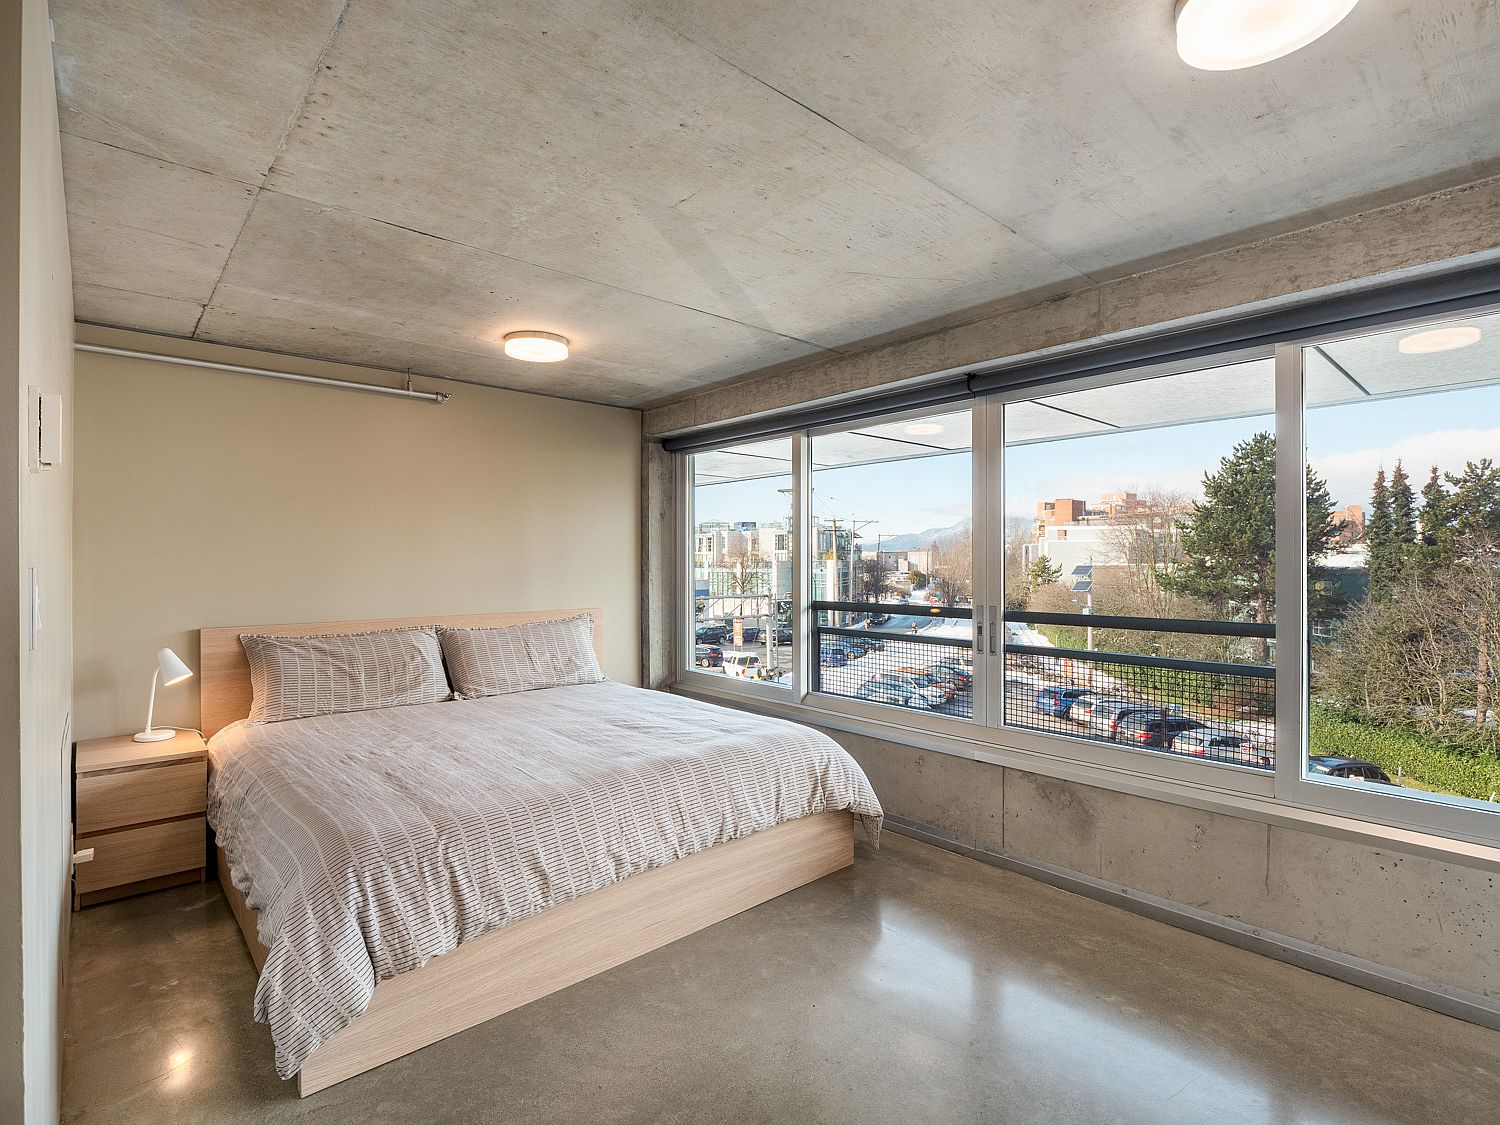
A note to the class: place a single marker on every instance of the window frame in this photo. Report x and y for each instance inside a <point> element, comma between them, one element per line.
<point>686,671</point>
<point>1392,815</point>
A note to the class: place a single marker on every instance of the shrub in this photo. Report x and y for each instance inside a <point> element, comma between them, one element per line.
<point>1418,759</point>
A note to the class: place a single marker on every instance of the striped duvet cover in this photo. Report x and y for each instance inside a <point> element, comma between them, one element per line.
<point>372,842</point>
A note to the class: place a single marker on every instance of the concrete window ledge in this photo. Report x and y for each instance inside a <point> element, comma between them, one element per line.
<point>1245,806</point>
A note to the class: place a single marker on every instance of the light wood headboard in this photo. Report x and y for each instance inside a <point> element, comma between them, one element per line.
<point>225,673</point>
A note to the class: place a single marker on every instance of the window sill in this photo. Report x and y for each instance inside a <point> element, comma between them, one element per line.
<point>994,751</point>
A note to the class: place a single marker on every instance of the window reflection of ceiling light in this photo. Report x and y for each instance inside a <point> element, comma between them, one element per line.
<point>924,429</point>
<point>1234,34</point>
<point>536,347</point>
<point>1439,339</point>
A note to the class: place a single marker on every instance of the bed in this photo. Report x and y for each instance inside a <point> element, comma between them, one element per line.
<point>402,874</point>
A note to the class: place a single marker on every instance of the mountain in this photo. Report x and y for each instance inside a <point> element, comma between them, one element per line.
<point>920,539</point>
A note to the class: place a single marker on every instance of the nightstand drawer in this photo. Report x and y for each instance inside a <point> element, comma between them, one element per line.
<point>133,854</point>
<point>139,796</point>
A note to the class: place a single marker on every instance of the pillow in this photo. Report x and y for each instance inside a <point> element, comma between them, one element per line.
<point>294,677</point>
<point>539,654</point>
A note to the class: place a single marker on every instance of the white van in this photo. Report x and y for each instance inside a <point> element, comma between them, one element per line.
<point>746,665</point>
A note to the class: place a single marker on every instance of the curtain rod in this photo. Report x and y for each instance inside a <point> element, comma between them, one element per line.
<point>437,397</point>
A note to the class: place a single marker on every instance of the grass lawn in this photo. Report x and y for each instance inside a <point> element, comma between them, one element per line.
<point>1422,763</point>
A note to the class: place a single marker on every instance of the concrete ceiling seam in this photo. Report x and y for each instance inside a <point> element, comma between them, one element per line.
<point>292,121</point>
<point>884,155</point>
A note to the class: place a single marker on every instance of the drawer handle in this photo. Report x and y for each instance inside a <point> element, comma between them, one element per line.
<point>83,856</point>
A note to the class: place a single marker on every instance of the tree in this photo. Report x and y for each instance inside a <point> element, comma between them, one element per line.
<point>1043,572</point>
<point>875,577</point>
<point>1391,535</point>
<point>1436,524</point>
<point>1229,538</point>
<point>1147,541</point>
<point>1379,537</point>
<point>951,565</point>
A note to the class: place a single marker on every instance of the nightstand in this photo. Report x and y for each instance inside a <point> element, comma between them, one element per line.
<point>139,806</point>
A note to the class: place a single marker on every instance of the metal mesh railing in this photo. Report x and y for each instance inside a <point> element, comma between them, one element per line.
<point>916,656</point>
<point>1211,710</point>
<point>921,658</point>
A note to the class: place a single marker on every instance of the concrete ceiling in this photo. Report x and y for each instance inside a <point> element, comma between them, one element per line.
<point>694,190</point>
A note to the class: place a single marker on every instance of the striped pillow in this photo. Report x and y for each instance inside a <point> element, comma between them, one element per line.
<point>294,677</point>
<point>539,654</point>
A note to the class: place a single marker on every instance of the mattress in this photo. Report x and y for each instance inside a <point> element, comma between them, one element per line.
<point>371,842</point>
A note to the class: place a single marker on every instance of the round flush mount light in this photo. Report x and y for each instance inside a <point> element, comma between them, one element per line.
<point>924,429</point>
<point>1445,339</point>
<point>536,347</point>
<point>1234,34</point>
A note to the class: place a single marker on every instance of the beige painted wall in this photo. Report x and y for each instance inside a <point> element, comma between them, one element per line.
<point>215,499</point>
<point>36,333</point>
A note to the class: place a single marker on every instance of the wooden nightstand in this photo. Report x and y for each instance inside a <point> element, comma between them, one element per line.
<point>140,806</point>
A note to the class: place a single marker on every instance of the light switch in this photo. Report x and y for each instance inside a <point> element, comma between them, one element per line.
<point>46,430</point>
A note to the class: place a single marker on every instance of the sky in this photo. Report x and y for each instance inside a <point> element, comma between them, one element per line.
<point>1346,444</point>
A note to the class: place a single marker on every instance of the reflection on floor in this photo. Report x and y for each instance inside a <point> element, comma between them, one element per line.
<point>918,987</point>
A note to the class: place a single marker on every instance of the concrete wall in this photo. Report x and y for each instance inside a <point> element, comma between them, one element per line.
<point>1437,922</point>
<point>216,499</point>
<point>36,335</point>
<point>1405,239</point>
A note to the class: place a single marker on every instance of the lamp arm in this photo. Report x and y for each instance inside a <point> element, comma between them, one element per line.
<point>151,706</point>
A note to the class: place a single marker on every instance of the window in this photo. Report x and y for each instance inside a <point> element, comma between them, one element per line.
<point>1275,573</point>
<point>891,563</point>
<point>740,563</point>
<point>1138,543</point>
<point>1403,563</point>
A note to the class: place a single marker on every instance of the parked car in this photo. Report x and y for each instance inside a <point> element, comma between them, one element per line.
<point>926,678</point>
<point>752,634</point>
<point>1059,702</point>
<point>878,619</point>
<point>894,691</point>
<point>783,635</point>
<point>711,634</point>
<point>1156,728</point>
<point>1220,744</point>
<point>954,671</point>
<point>1102,716</point>
<point>832,657</point>
<point>745,665</point>
<point>1352,768</point>
<point>708,656</point>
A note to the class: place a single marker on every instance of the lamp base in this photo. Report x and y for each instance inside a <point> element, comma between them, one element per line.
<point>155,735</point>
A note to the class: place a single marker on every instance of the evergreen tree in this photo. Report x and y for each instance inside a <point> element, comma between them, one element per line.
<point>1380,539</point>
<point>1474,507</point>
<point>1403,514</point>
<point>1043,572</point>
<point>1229,541</point>
<point>1436,524</point>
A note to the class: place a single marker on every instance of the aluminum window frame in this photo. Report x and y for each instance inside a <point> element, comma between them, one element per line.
<point>1407,818</point>
<point>687,672</point>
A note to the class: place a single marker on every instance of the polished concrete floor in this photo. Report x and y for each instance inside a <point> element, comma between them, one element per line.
<point>918,987</point>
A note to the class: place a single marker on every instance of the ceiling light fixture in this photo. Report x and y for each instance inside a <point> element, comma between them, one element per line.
<point>1234,34</point>
<point>1445,339</point>
<point>924,429</point>
<point>536,347</point>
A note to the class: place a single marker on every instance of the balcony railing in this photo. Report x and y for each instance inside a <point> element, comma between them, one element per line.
<point>1213,710</point>
<point>909,655</point>
<point>917,657</point>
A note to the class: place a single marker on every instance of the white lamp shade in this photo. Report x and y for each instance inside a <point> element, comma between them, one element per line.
<point>173,670</point>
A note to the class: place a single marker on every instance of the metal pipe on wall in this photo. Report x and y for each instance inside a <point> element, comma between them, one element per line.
<point>437,397</point>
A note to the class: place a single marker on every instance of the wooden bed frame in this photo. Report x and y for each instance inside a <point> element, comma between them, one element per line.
<point>517,964</point>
